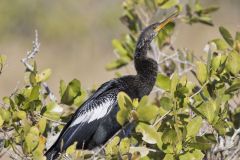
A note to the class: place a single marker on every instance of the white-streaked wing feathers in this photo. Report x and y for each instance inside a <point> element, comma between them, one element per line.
<point>95,112</point>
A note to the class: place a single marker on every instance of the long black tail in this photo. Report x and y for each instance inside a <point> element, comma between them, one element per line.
<point>52,153</point>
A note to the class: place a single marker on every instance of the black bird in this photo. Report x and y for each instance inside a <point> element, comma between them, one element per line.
<point>95,121</point>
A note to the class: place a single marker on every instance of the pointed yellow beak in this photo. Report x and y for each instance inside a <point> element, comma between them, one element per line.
<point>166,21</point>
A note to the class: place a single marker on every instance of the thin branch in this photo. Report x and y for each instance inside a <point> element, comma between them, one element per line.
<point>167,58</point>
<point>15,89</point>
<point>58,122</point>
<point>185,71</point>
<point>30,55</point>
<point>161,118</point>
<point>221,147</point>
<point>235,134</point>
<point>199,90</point>
<point>234,154</point>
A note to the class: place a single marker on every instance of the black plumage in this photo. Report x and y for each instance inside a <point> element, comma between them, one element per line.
<point>95,121</point>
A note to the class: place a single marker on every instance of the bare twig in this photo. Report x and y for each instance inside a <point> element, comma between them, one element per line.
<point>30,55</point>
<point>235,134</point>
<point>161,118</point>
<point>167,58</point>
<point>185,71</point>
<point>226,144</point>
<point>58,122</point>
<point>202,87</point>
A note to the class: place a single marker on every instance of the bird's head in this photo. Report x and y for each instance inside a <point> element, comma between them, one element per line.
<point>150,32</point>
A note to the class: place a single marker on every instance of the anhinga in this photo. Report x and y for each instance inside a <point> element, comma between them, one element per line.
<point>95,121</point>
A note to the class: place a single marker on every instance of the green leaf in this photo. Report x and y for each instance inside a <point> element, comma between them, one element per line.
<point>194,155</point>
<point>32,79</point>
<point>54,107</point>
<point>62,87</point>
<point>72,91</point>
<point>147,113</point>
<point>1,121</point>
<point>124,101</point>
<point>31,142</point>
<point>38,153</point>
<point>42,124</point>
<point>233,62</point>
<point>3,59</point>
<point>209,10</point>
<point>44,75</point>
<point>169,136</point>
<point>166,103</point>
<point>221,44</point>
<point>143,102</point>
<point>221,127</point>
<point>226,35</point>
<point>163,82</point>
<point>111,148</point>
<point>118,63</point>
<point>198,6</point>
<point>215,62</point>
<point>19,99</point>
<point>6,100</point>
<point>21,114</point>
<point>237,42</point>
<point>174,82</point>
<point>150,135</point>
<point>78,101</point>
<point>169,3</point>
<point>32,105</point>
<point>159,1</point>
<point>34,130</point>
<point>124,146</point>
<point>201,72</point>
<point>193,126</point>
<point>125,106</point>
<point>71,149</point>
<point>5,114</point>
<point>198,155</point>
<point>35,92</point>
<point>233,88</point>
<point>169,157</point>
<point>32,139</point>
<point>208,109</point>
<point>118,47</point>
<point>237,37</point>
<point>205,20</point>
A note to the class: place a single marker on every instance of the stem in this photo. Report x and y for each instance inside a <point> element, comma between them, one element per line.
<point>199,90</point>
<point>161,118</point>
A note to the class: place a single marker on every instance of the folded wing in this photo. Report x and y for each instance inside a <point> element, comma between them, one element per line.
<point>87,118</point>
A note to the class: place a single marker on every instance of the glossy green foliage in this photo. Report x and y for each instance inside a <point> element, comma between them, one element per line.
<point>29,113</point>
<point>197,13</point>
<point>71,91</point>
<point>172,124</point>
<point>135,21</point>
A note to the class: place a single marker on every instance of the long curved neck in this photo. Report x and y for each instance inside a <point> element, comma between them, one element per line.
<point>146,67</point>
